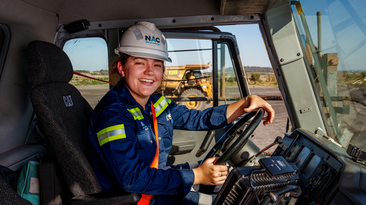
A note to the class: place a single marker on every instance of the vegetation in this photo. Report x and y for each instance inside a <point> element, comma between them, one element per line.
<point>264,80</point>
<point>256,77</point>
<point>231,81</point>
<point>352,78</point>
<point>263,76</point>
<point>256,69</point>
<point>86,81</point>
<point>88,71</point>
<point>83,81</point>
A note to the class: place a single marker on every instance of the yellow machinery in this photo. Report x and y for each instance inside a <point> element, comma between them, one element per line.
<point>187,81</point>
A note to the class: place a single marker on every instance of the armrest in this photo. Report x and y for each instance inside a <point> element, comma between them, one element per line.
<point>182,148</point>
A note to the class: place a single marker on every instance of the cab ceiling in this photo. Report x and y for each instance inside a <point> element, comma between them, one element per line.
<point>105,10</point>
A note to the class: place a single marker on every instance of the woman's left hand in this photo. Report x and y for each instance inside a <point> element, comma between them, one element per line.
<point>248,104</point>
<point>254,101</point>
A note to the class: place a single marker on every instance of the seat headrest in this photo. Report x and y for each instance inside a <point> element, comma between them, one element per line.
<point>48,63</point>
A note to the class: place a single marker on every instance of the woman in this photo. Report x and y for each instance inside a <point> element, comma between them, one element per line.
<point>132,121</point>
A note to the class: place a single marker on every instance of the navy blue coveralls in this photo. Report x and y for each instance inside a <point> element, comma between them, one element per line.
<point>122,135</point>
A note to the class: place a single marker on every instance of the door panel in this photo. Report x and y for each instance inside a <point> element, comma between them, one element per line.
<point>203,66</point>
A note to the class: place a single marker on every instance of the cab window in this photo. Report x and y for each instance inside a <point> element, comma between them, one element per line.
<point>227,80</point>
<point>188,78</point>
<point>89,57</point>
<point>200,68</point>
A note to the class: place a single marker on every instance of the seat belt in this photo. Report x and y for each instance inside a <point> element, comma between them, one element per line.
<point>145,198</point>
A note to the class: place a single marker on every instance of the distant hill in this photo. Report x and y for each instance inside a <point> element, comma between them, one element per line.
<point>256,69</point>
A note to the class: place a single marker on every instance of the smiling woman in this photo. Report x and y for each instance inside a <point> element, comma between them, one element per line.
<point>132,126</point>
<point>142,77</point>
<point>317,52</point>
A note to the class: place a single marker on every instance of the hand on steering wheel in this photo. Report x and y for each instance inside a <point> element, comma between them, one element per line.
<point>229,135</point>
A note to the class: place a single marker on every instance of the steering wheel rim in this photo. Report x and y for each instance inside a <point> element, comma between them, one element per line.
<point>241,141</point>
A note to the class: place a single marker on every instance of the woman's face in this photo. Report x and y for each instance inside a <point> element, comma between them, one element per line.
<point>142,75</point>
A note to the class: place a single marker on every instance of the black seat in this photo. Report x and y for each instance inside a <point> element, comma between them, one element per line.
<point>8,196</point>
<point>63,117</point>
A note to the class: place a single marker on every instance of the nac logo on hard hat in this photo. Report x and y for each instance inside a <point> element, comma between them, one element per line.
<point>152,40</point>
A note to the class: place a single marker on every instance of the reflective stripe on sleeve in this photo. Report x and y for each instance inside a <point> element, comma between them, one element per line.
<point>161,105</point>
<point>112,133</point>
<point>136,113</point>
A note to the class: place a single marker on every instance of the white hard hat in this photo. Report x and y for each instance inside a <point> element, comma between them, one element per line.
<point>144,40</point>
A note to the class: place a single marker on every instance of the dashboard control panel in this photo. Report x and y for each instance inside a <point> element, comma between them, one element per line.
<point>318,169</point>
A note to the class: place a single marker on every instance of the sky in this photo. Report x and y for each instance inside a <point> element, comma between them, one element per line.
<point>343,30</point>
<point>251,45</point>
<point>93,55</point>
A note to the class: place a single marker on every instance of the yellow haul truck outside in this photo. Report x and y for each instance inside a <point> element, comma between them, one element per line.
<point>189,81</point>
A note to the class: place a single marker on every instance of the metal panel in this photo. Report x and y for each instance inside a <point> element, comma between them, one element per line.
<point>26,23</point>
<point>179,22</point>
<point>292,66</point>
<point>231,7</point>
<point>73,10</point>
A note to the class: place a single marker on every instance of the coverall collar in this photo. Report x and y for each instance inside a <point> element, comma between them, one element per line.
<point>130,101</point>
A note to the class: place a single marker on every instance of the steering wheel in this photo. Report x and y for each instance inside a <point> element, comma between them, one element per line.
<point>229,135</point>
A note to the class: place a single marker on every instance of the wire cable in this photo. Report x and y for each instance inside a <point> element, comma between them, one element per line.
<point>251,184</point>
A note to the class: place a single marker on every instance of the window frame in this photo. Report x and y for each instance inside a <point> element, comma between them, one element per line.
<point>218,38</point>
<point>92,100</point>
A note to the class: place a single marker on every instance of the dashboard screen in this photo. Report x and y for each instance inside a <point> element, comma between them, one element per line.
<point>294,151</point>
<point>311,166</point>
<point>302,157</point>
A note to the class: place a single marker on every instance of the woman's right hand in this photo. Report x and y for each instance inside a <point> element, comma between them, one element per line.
<point>209,173</point>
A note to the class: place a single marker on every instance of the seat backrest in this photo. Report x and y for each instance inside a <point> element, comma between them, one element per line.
<point>63,115</point>
<point>8,196</point>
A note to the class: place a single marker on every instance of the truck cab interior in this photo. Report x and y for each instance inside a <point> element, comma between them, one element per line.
<point>315,48</point>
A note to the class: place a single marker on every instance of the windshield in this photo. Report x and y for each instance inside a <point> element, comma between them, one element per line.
<point>333,33</point>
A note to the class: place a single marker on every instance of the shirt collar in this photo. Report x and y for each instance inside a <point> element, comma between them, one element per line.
<point>126,97</point>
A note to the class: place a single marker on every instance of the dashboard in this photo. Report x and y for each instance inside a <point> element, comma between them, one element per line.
<point>318,167</point>
<point>318,177</point>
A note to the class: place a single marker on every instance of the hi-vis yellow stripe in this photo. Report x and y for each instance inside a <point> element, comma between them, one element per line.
<point>161,105</point>
<point>136,113</point>
<point>112,133</point>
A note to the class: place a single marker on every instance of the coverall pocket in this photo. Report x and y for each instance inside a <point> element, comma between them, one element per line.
<point>166,133</point>
<point>146,139</point>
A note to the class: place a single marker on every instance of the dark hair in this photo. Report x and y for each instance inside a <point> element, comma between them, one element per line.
<point>114,76</point>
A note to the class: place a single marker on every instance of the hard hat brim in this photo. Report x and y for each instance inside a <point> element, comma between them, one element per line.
<point>144,54</point>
